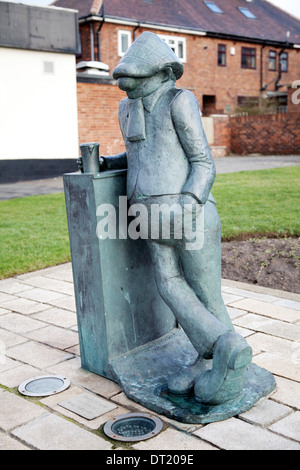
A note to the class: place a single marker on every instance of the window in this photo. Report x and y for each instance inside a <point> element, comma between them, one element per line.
<point>222,55</point>
<point>284,61</point>
<point>272,60</point>
<point>246,12</point>
<point>213,7</point>
<point>124,41</point>
<point>178,45</point>
<point>248,58</point>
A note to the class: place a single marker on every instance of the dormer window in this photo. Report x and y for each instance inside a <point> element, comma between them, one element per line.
<point>213,7</point>
<point>246,12</point>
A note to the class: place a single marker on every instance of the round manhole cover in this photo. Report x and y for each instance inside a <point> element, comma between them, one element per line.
<point>133,427</point>
<point>44,385</point>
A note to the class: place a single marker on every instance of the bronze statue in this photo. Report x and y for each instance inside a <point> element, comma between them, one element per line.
<point>169,162</point>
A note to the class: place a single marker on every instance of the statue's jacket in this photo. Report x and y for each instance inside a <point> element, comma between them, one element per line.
<point>174,157</point>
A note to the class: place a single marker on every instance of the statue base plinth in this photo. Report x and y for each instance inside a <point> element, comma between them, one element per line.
<point>143,375</point>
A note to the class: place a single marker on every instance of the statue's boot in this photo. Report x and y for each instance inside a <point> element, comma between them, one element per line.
<point>225,380</point>
<point>183,382</point>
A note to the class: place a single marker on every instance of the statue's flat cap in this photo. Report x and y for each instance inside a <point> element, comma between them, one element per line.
<point>146,56</point>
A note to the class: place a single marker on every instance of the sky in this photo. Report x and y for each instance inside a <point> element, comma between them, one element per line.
<point>291,6</point>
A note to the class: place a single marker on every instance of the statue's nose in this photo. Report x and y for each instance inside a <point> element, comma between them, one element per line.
<point>127,83</point>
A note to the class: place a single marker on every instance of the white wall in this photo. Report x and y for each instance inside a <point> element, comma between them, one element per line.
<point>38,105</point>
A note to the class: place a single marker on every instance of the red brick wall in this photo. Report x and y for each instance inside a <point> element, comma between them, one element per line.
<point>202,75</point>
<point>268,134</point>
<point>98,105</point>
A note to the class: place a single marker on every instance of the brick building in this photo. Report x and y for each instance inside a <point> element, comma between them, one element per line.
<point>236,54</point>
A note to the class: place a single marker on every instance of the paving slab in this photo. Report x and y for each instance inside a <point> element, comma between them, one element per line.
<point>266,412</point>
<point>57,316</point>
<point>260,342</point>
<point>37,354</point>
<point>37,336</point>
<point>279,365</point>
<point>24,306</point>
<point>41,295</point>
<point>50,284</point>
<point>17,375</point>
<point>51,432</point>
<point>16,410</point>
<point>288,426</point>
<point>269,326</point>
<point>293,304</point>
<point>173,439</point>
<point>268,309</point>
<point>54,336</point>
<point>90,381</point>
<point>12,286</point>
<point>235,434</point>
<point>9,443</point>
<point>287,392</point>
<point>17,323</point>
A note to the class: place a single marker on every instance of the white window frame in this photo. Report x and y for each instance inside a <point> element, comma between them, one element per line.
<point>174,46</point>
<point>121,33</point>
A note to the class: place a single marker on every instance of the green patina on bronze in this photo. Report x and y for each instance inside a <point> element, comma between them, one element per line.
<point>150,311</point>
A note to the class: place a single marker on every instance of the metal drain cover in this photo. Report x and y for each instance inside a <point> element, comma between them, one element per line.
<point>133,427</point>
<point>44,385</point>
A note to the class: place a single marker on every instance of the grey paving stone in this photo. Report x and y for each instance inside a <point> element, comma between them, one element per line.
<point>287,392</point>
<point>289,426</point>
<point>265,413</point>
<point>9,443</point>
<point>251,295</point>
<point>229,298</point>
<point>175,440</point>
<point>24,306</point>
<point>11,339</point>
<point>235,312</point>
<point>14,377</point>
<point>48,283</point>
<point>12,286</point>
<point>269,326</point>
<point>235,434</point>
<point>67,302</point>
<point>57,316</point>
<point>90,381</point>
<point>37,355</point>
<point>51,432</point>
<point>16,410</point>
<point>6,363</point>
<point>293,304</point>
<point>41,295</point>
<point>6,297</point>
<point>279,346</point>
<point>59,338</point>
<point>17,323</point>
<point>268,309</point>
<point>279,365</point>
<point>3,311</point>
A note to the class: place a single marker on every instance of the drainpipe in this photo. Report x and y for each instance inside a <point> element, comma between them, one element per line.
<point>98,35</point>
<point>92,42</point>
<point>262,88</point>
<point>135,29</point>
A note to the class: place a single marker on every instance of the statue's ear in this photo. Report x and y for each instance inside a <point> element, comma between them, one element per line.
<point>168,73</point>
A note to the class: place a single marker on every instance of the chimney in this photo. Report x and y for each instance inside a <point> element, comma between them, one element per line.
<point>95,8</point>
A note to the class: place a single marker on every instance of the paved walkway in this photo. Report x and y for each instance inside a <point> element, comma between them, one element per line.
<point>223,165</point>
<point>38,335</point>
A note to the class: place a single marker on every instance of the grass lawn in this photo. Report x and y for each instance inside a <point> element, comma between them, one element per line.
<point>259,203</point>
<point>34,232</point>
